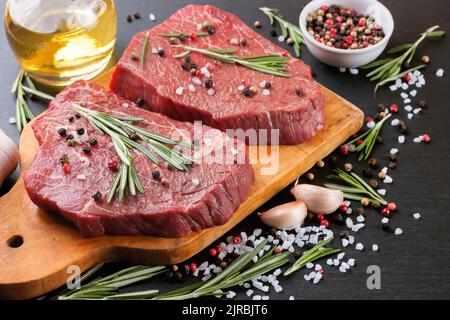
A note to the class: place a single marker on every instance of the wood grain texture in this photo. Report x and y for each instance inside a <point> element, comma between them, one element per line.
<point>51,244</point>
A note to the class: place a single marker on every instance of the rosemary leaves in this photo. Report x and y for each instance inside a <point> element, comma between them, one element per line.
<point>153,145</point>
<point>145,48</point>
<point>270,64</point>
<point>354,187</point>
<point>390,69</point>
<point>23,112</point>
<point>289,30</point>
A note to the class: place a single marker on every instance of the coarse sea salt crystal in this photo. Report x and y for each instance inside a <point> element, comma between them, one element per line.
<point>353,71</point>
<point>195,181</point>
<point>388,179</point>
<point>249,292</point>
<point>125,105</point>
<point>410,116</point>
<point>349,211</point>
<point>330,262</point>
<point>408,108</point>
<point>152,17</point>
<point>359,246</point>
<point>406,101</point>
<point>404,95</point>
<point>281,38</point>
<point>336,262</point>
<point>345,265</point>
<point>401,139</point>
<point>418,139</point>
<point>234,41</point>
<point>179,91</point>
<point>440,72</point>
<point>262,84</point>
<point>413,93</point>
<point>154,50</point>
<point>384,170</point>
<point>349,222</point>
<point>405,86</point>
<point>196,81</point>
<point>309,265</point>
<point>342,269</point>
<point>398,231</point>
<point>384,220</point>
<point>344,243</point>
<point>416,216</point>
<point>191,87</point>
<point>398,83</point>
<point>351,262</point>
<point>12,120</point>
<point>306,277</point>
<point>357,227</point>
<point>360,218</point>
<point>393,151</point>
<point>351,239</point>
<point>342,69</point>
<point>257,297</point>
<point>266,92</point>
<point>347,203</point>
<point>395,122</point>
<point>370,124</point>
<point>417,110</point>
<point>393,87</point>
<point>340,256</point>
<point>317,267</point>
<point>231,295</point>
<point>317,278</point>
<point>291,298</point>
<point>381,192</point>
<point>374,247</point>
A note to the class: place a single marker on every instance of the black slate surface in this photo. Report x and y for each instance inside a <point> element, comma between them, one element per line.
<point>414,265</point>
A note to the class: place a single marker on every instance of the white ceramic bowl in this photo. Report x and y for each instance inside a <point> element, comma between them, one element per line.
<point>345,57</point>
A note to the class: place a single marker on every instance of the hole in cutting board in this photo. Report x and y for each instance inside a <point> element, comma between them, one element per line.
<point>15,241</point>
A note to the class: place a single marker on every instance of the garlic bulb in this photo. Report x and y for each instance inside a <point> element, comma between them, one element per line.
<point>318,199</point>
<point>9,156</point>
<point>286,216</point>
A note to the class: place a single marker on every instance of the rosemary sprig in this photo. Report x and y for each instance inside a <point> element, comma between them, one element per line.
<point>182,35</point>
<point>120,131</point>
<point>311,255</point>
<point>288,29</point>
<point>23,112</point>
<point>106,288</point>
<point>387,70</point>
<point>369,138</point>
<point>270,64</point>
<point>354,187</point>
<point>145,49</point>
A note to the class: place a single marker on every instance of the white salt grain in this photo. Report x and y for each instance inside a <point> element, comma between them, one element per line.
<point>353,71</point>
<point>404,95</point>
<point>384,220</point>
<point>413,93</point>
<point>351,262</point>
<point>317,278</point>
<point>360,218</point>
<point>179,91</point>
<point>344,243</point>
<point>357,227</point>
<point>211,91</point>
<point>393,87</point>
<point>152,17</point>
<point>266,92</point>
<point>370,124</point>
<point>249,292</point>
<point>317,267</point>
<point>234,41</point>
<point>374,247</point>
<point>395,122</point>
<point>349,222</point>
<point>342,269</point>
<point>440,72</point>
<point>306,277</point>
<point>381,192</point>
<point>336,262</point>
<point>309,265</point>
<point>262,84</point>
<point>330,262</point>
<point>410,116</point>
<point>191,87</point>
<point>12,120</point>
<point>281,38</point>
<point>388,180</point>
<point>416,216</point>
<point>359,246</point>
<point>393,151</point>
<point>256,297</point>
<point>405,86</point>
<point>291,298</point>
<point>417,110</point>
<point>406,101</point>
<point>401,139</point>
<point>408,108</point>
<point>398,231</point>
<point>342,69</point>
<point>340,255</point>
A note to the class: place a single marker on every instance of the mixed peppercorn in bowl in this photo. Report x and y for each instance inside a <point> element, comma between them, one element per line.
<point>346,33</point>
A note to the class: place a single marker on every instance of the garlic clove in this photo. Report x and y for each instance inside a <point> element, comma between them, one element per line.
<point>318,199</point>
<point>286,216</point>
<point>9,156</point>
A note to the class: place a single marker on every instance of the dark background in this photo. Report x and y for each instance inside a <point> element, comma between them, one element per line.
<point>414,265</point>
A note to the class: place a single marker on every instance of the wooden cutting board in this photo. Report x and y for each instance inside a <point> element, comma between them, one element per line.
<point>50,244</point>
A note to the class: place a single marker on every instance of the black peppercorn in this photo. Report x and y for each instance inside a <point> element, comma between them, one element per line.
<point>140,102</point>
<point>422,104</point>
<point>80,131</point>
<point>97,196</point>
<point>210,29</point>
<point>244,42</point>
<point>187,59</point>
<point>93,142</point>
<point>62,132</point>
<point>137,15</point>
<point>379,140</point>
<point>344,234</point>
<point>87,149</point>
<point>129,18</point>
<point>185,66</point>
<point>333,159</point>
<point>161,52</point>
<point>77,115</point>
<point>297,253</point>
<point>298,91</point>
<point>381,108</point>
<point>209,83</point>
<point>367,173</point>
<point>338,218</point>
<point>71,118</point>
<point>273,33</point>
<point>156,175</point>
<point>247,92</point>
<point>386,227</point>
<point>186,268</point>
<point>268,85</point>
<point>134,136</point>
<point>69,137</point>
<point>193,66</point>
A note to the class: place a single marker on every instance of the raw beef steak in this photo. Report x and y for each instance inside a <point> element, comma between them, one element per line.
<point>163,84</point>
<point>205,196</point>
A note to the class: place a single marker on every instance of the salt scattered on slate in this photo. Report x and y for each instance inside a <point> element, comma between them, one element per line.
<point>330,262</point>
<point>152,17</point>
<point>413,93</point>
<point>401,139</point>
<point>359,246</point>
<point>381,192</point>
<point>405,86</point>
<point>395,122</point>
<point>374,247</point>
<point>410,116</point>
<point>398,231</point>
<point>342,269</point>
<point>440,72</point>
<point>416,216</point>
<point>370,124</point>
<point>291,298</point>
<point>408,108</point>
<point>351,262</point>
<point>344,242</point>
<point>281,38</point>
<point>360,218</point>
<point>342,69</point>
<point>417,110</point>
<point>388,179</point>
<point>393,151</point>
<point>404,95</point>
<point>384,220</point>
<point>349,223</point>
<point>266,92</point>
<point>393,87</point>
<point>353,71</point>
<point>179,91</point>
<point>12,120</point>
<point>418,139</point>
<point>309,265</point>
<point>231,294</point>
<point>406,101</point>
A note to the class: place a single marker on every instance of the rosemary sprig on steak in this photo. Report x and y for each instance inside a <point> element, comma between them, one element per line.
<point>390,69</point>
<point>270,64</point>
<point>183,35</point>
<point>354,187</point>
<point>289,30</point>
<point>23,112</point>
<point>124,136</point>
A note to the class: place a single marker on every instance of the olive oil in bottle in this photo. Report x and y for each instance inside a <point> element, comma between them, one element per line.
<point>60,41</point>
